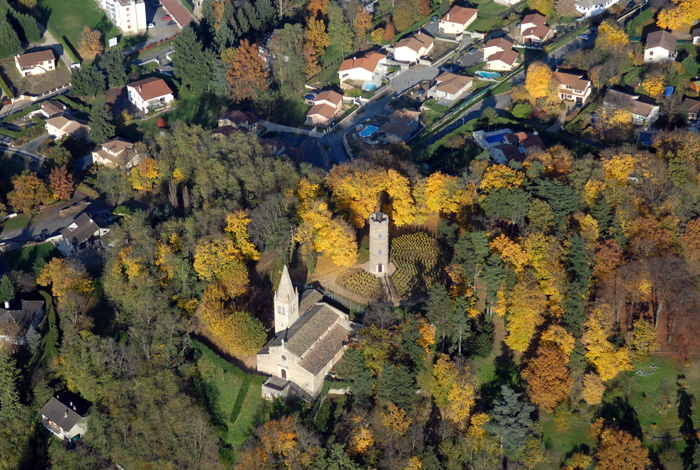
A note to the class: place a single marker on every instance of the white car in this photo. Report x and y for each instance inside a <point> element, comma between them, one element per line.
<point>151,25</point>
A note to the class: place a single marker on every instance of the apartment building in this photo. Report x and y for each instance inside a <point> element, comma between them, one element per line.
<point>127,15</point>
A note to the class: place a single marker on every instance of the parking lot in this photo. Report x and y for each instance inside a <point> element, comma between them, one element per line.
<point>154,14</point>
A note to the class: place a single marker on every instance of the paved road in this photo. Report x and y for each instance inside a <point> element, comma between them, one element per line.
<point>34,159</point>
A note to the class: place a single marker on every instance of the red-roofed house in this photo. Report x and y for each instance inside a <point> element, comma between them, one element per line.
<point>179,13</point>
<point>360,69</point>
<point>35,63</point>
<point>149,93</point>
<point>412,48</point>
<point>457,20</point>
<point>573,87</point>
<point>533,29</point>
<point>326,106</point>
<point>494,46</point>
<point>502,61</point>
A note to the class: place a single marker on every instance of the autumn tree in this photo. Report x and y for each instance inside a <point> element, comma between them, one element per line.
<point>611,37</point>
<point>654,84</point>
<point>62,183</point>
<point>525,312</point>
<point>608,360</point>
<point>246,71</point>
<point>643,341</point>
<point>539,81</point>
<point>619,449</point>
<point>546,7</point>
<point>453,390</point>
<point>593,389</point>
<point>362,22</point>
<point>90,42</point>
<point>28,193</point>
<point>404,15</point>
<point>389,31</point>
<point>548,378</point>
<point>323,233</point>
<point>316,38</point>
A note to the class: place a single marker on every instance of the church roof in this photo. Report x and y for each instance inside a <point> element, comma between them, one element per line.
<point>326,349</point>
<point>309,328</point>
<point>309,298</point>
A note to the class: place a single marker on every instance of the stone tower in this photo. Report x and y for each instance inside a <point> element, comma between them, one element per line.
<point>286,303</point>
<point>378,243</point>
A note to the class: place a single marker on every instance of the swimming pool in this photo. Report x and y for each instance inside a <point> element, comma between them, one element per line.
<point>368,131</point>
<point>369,86</point>
<point>492,75</point>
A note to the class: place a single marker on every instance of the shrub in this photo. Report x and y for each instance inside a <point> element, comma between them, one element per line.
<point>522,110</point>
<point>6,89</point>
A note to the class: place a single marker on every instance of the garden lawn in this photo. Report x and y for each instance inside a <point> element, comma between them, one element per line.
<point>233,397</point>
<point>24,259</point>
<point>489,7</point>
<point>191,109</point>
<point>67,19</point>
<point>15,223</point>
<point>486,23</point>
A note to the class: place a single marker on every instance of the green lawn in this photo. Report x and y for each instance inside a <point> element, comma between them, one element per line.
<point>192,109</point>
<point>24,259</point>
<point>10,167</point>
<point>67,19</point>
<point>489,7</point>
<point>486,23</point>
<point>15,223</point>
<point>231,396</point>
<point>48,348</point>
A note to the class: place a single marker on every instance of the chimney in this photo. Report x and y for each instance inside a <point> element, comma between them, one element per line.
<point>7,305</point>
<point>282,342</point>
<point>448,17</point>
<point>140,88</point>
<point>71,405</point>
<point>65,413</point>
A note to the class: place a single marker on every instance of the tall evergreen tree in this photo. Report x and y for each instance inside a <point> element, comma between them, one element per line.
<point>510,420</point>
<point>87,81</point>
<point>242,22</point>
<point>266,12</point>
<point>101,127</point>
<point>580,271</point>
<point>7,290</point>
<point>409,342</point>
<point>439,309</point>
<point>563,199</point>
<point>113,63</point>
<point>224,38</point>
<point>190,64</point>
<point>460,327</point>
<point>398,386</point>
<point>494,276</point>
<point>9,41</point>
<point>252,16</point>
<point>9,395</point>
<point>24,25</point>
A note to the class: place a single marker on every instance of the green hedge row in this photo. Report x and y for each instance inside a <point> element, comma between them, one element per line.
<point>72,104</point>
<point>21,113</point>
<point>6,89</point>
<point>35,131</point>
<point>89,190</point>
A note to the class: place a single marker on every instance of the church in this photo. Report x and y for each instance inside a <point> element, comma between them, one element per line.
<point>310,338</point>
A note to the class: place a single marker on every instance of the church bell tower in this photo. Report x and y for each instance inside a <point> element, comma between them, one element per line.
<point>286,303</point>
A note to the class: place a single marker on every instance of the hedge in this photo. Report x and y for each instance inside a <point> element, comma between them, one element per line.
<point>34,131</point>
<point>6,89</point>
<point>77,106</point>
<point>67,47</point>
<point>21,113</point>
<point>88,190</point>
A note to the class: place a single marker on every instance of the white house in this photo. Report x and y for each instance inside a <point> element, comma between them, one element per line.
<point>503,61</point>
<point>593,7</point>
<point>693,108</point>
<point>117,153</point>
<point>494,46</point>
<point>457,20</point>
<point>127,15</point>
<point>52,108</point>
<point>507,2</point>
<point>643,113</point>
<point>412,48</point>
<point>61,126</point>
<point>360,69</point>
<point>696,36</point>
<point>83,232</point>
<point>327,105</point>
<point>149,93</point>
<point>17,317</point>
<point>65,416</point>
<point>35,63</point>
<point>573,87</point>
<point>310,338</point>
<point>449,86</point>
<point>534,30</point>
<point>660,47</point>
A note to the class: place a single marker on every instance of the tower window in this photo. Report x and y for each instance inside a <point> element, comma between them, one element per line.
<point>380,235</point>
<point>280,310</point>
<point>380,251</point>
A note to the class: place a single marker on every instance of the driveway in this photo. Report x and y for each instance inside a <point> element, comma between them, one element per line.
<point>471,58</point>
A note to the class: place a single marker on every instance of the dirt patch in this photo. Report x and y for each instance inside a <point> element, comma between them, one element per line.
<point>34,84</point>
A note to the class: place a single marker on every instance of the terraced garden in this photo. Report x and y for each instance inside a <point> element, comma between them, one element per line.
<point>418,261</point>
<point>362,283</point>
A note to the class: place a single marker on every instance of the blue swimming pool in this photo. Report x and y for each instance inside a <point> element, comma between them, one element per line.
<point>369,86</point>
<point>368,131</point>
<point>492,75</point>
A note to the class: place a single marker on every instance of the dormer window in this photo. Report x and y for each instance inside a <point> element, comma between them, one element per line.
<point>72,226</point>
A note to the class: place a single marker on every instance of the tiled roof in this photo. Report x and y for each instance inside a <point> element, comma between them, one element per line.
<point>21,317</point>
<point>52,107</point>
<point>619,97</point>
<point>502,43</point>
<point>117,145</point>
<point>452,83</point>
<point>62,413</point>
<point>322,109</point>
<point>150,88</point>
<point>508,57</point>
<point>330,96</point>
<point>573,80</point>
<point>404,115</point>
<point>539,31</point>
<point>459,15</point>
<point>69,126</point>
<point>693,106</point>
<point>238,117</point>
<point>511,152</point>
<point>30,59</point>
<point>86,227</point>
<point>534,18</point>
<point>662,39</point>
<point>325,350</point>
<point>416,42</point>
<point>398,129</point>
<point>309,298</point>
<point>368,62</point>
<point>178,12</point>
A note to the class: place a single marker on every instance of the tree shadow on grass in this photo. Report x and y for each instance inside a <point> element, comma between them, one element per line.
<point>621,412</point>
<point>506,374</point>
<point>687,429</point>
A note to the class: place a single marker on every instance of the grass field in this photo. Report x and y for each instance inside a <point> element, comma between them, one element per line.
<point>232,397</point>
<point>68,19</point>
<point>486,23</point>
<point>15,223</point>
<point>24,259</point>
<point>48,348</point>
<point>192,109</point>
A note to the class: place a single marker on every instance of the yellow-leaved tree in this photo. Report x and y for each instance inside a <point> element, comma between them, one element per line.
<point>593,388</point>
<point>445,194</point>
<point>611,37</point>
<point>323,233</point>
<point>607,360</point>
<point>654,84</point>
<point>539,81</point>
<point>237,228</point>
<point>525,312</point>
<point>453,390</point>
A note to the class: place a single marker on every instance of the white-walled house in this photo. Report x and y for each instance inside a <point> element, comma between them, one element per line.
<point>693,108</point>
<point>412,48</point>
<point>35,63</point>
<point>457,20</point>
<point>149,93</point>
<point>573,87</point>
<point>494,46</point>
<point>593,7</point>
<point>61,126</point>
<point>65,415</point>
<point>644,113</point>
<point>360,69</point>
<point>534,30</point>
<point>449,86</point>
<point>660,47</point>
<point>327,105</point>
<point>500,55</point>
<point>117,153</point>
<point>127,15</point>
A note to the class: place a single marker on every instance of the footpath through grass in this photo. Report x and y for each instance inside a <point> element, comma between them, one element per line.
<point>68,18</point>
<point>231,396</point>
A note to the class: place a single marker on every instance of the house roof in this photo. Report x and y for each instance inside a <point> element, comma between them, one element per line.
<point>116,151</point>
<point>404,115</point>
<point>591,3</point>
<point>117,145</point>
<point>322,109</point>
<point>640,108</point>
<point>151,88</point>
<point>508,57</point>
<point>502,43</point>
<point>540,31</point>
<point>398,129</point>
<point>693,106</point>
<point>69,126</point>
<point>576,81</point>
<point>662,39</point>
<point>416,41</point>
<point>526,139</point>
<point>82,228</point>
<point>696,32</point>
<point>239,117</point>
<point>178,12</point>
<point>511,152</point>
<point>309,298</point>
<point>368,62</point>
<point>330,96</point>
<point>52,108</point>
<point>59,410</point>
<point>30,59</point>
<point>21,314</point>
<point>453,83</point>
<point>534,18</point>
<point>325,350</point>
<point>459,15</point>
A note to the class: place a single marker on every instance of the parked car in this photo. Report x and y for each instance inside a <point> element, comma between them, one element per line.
<point>310,96</point>
<point>473,50</point>
<point>421,92</point>
<point>151,25</point>
<point>166,18</point>
<point>171,23</point>
<point>433,19</point>
<point>631,4</point>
